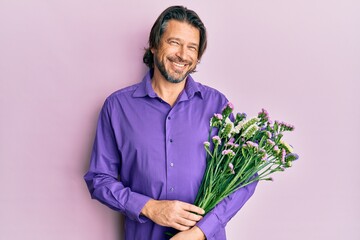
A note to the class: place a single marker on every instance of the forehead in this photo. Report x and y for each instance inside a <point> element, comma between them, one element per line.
<point>183,31</point>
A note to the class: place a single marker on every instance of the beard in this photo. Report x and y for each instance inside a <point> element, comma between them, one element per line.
<point>172,78</point>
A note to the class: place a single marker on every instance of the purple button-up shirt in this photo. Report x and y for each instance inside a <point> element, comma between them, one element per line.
<point>144,148</point>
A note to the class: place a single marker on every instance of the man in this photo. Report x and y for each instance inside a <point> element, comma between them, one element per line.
<point>148,157</point>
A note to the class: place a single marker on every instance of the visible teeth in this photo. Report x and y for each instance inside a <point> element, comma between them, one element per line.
<point>179,65</point>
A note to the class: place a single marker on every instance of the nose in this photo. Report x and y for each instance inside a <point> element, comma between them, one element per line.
<point>181,53</point>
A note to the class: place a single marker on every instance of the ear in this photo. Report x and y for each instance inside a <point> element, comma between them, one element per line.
<point>153,50</point>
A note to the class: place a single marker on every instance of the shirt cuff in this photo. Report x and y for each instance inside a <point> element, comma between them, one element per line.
<point>209,224</point>
<point>134,205</point>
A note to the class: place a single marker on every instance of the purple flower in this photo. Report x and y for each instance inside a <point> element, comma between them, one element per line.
<point>207,144</point>
<point>230,144</point>
<point>283,155</point>
<point>228,152</point>
<point>270,142</point>
<point>230,105</point>
<point>240,117</point>
<point>252,144</point>
<point>286,127</point>
<point>263,115</point>
<point>227,110</point>
<point>216,140</point>
<point>218,116</point>
<point>216,120</point>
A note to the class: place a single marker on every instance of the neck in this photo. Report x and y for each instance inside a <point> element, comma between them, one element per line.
<point>167,91</point>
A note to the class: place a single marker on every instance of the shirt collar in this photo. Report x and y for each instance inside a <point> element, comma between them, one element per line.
<point>145,88</point>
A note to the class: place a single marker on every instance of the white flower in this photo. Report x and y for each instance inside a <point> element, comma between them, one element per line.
<point>239,126</point>
<point>231,166</point>
<point>232,128</point>
<point>250,122</point>
<point>250,131</point>
<point>287,147</point>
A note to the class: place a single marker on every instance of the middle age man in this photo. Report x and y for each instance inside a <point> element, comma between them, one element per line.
<point>150,136</point>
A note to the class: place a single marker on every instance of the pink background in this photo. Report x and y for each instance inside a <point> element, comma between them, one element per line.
<point>59,60</point>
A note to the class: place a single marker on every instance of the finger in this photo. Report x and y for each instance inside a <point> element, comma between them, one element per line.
<point>192,208</point>
<point>186,222</point>
<point>180,227</point>
<point>190,216</point>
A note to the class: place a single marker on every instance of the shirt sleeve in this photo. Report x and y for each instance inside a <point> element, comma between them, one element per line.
<point>102,176</point>
<point>217,218</point>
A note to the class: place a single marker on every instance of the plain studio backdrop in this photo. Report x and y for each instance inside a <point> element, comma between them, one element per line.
<point>59,60</point>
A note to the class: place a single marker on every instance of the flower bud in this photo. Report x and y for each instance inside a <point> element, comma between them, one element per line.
<point>291,157</point>
<point>216,140</point>
<point>288,164</point>
<point>231,166</point>
<point>228,109</point>
<point>228,152</point>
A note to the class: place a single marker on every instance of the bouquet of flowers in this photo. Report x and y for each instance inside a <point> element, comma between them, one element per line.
<point>244,151</point>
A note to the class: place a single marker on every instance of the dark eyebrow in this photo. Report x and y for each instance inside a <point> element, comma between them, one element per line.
<point>194,45</point>
<point>172,38</point>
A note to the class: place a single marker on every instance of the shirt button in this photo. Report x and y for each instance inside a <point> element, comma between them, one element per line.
<point>171,164</point>
<point>171,140</point>
<point>169,118</point>
<point>172,189</point>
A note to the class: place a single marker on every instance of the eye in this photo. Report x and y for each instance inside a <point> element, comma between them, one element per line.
<point>192,48</point>
<point>174,43</point>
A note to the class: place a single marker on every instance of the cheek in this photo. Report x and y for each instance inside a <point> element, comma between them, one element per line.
<point>164,55</point>
<point>194,61</point>
<point>193,57</point>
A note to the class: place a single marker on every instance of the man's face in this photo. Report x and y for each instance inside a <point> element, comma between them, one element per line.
<point>177,54</point>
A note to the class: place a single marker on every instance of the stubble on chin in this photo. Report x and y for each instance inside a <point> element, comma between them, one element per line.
<point>167,75</point>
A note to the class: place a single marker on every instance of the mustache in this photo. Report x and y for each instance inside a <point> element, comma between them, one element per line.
<point>179,60</point>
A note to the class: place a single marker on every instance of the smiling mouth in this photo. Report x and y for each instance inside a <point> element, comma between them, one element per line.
<point>179,64</point>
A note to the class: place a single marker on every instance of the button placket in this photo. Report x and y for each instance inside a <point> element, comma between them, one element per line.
<point>170,164</point>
